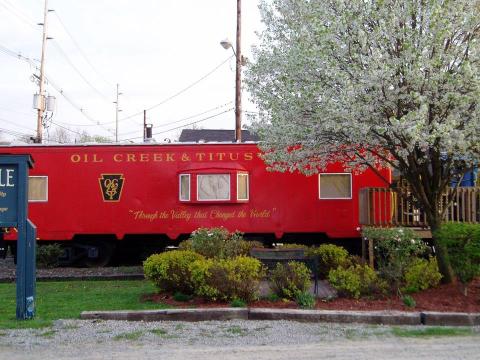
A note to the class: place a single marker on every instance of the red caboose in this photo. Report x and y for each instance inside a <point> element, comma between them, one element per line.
<point>98,196</point>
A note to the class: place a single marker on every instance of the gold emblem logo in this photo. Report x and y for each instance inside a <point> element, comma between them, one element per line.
<point>111,186</point>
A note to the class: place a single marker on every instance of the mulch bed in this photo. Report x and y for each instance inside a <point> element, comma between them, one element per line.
<point>445,298</point>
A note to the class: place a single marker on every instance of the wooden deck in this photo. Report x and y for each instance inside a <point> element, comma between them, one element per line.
<point>396,207</point>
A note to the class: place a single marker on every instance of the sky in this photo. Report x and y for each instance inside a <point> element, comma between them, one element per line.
<point>165,55</point>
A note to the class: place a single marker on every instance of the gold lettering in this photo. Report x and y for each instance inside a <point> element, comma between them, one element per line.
<point>180,215</point>
<point>185,157</point>
<point>223,215</point>
<point>96,160</point>
<point>255,213</point>
<point>200,156</point>
<point>242,214</point>
<point>141,215</point>
<point>144,157</point>
<point>233,156</point>
<point>200,214</point>
<point>248,156</point>
<point>210,156</point>
<point>157,157</point>
<point>221,156</point>
<point>170,157</point>
<point>118,157</point>
<point>131,158</point>
<point>75,158</point>
<point>85,157</point>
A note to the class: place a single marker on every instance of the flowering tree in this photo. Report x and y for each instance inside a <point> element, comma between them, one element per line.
<point>371,83</point>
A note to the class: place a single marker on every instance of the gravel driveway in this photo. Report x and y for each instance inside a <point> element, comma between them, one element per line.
<point>85,339</point>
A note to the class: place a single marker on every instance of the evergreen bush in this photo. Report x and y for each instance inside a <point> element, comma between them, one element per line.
<point>170,271</point>
<point>462,241</point>
<point>228,279</point>
<point>290,279</point>
<point>47,255</point>
<point>422,274</point>
<point>219,243</point>
<point>356,281</point>
<point>330,257</point>
<point>395,249</point>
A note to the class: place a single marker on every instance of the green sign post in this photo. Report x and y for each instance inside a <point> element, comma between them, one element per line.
<point>14,214</point>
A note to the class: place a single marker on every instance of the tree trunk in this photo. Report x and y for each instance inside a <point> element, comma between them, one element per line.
<point>442,254</point>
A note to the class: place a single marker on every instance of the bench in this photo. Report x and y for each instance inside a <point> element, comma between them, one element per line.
<point>270,257</point>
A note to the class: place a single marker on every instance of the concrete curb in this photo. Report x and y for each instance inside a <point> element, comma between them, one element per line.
<point>450,319</point>
<point>361,317</point>
<point>170,314</point>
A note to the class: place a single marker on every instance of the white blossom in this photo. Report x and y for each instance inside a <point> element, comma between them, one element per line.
<point>368,83</point>
<point>371,84</point>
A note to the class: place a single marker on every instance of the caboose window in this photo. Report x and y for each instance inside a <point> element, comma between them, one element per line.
<point>185,187</point>
<point>213,187</point>
<point>37,188</point>
<point>335,186</point>
<point>242,186</point>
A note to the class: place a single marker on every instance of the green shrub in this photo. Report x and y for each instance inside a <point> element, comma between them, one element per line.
<point>395,248</point>
<point>409,301</point>
<point>289,280</point>
<point>238,303</point>
<point>201,277</point>
<point>209,242</point>
<point>272,297</point>
<point>237,246</point>
<point>422,274</point>
<point>356,281</point>
<point>185,245</point>
<point>291,246</point>
<point>47,255</point>
<point>219,243</point>
<point>179,296</point>
<point>330,257</point>
<point>228,279</point>
<point>462,242</point>
<point>305,300</point>
<point>170,271</point>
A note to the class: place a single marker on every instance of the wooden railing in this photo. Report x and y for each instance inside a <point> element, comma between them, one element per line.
<point>396,207</point>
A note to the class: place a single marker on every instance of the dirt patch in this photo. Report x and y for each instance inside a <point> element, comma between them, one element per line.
<point>202,303</point>
<point>445,298</point>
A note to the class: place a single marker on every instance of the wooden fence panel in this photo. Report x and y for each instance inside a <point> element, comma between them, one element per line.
<point>397,207</point>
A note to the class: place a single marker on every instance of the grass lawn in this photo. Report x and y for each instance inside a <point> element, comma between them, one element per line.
<point>67,299</point>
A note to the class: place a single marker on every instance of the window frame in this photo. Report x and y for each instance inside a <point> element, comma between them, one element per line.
<point>215,200</point>
<point>189,176</point>
<point>246,174</point>
<point>46,190</point>
<point>335,198</point>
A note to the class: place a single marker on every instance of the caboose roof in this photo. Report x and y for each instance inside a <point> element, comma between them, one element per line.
<point>214,135</point>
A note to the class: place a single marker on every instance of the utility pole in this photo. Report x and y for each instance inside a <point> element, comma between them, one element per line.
<point>117,110</point>
<point>41,95</point>
<point>144,125</point>
<point>238,75</point>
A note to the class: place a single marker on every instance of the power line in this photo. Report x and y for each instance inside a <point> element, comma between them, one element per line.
<point>14,133</point>
<point>19,14</point>
<point>181,91</point>
<point>15,111</point>
<point>80,50</point>
<point>19,56</point>
<point>186,118</point>
<point>58,47</point>
<point>17,125</point>
<point>182,126</point>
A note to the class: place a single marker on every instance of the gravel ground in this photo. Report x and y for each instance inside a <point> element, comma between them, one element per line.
<point>82,339</point>
<point>7,271</point>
